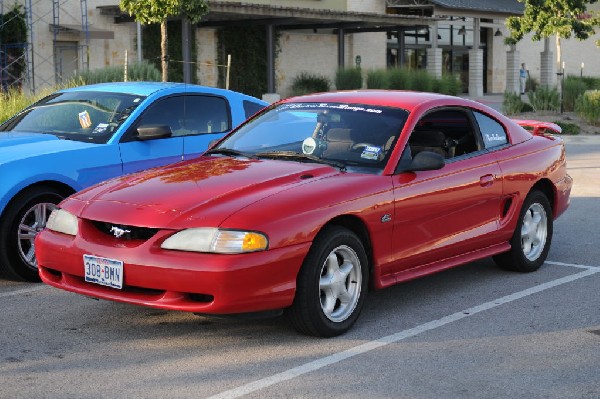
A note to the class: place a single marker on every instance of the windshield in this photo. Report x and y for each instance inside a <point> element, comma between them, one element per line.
<point>358,137</point>
<point>83,116</point>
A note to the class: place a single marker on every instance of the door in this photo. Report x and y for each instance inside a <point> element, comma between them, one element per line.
<point>66,59</point>
<point>194,119</point>
<point>139,155</point>
<point>451,211</point>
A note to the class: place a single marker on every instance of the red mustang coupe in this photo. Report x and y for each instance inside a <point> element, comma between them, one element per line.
<point>312,202</point>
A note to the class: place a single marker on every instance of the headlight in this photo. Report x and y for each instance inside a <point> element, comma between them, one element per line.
<point>216,241</point>
<point>62,222</point>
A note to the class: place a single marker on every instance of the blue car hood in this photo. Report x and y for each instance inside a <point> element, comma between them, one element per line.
<point>18,145</point>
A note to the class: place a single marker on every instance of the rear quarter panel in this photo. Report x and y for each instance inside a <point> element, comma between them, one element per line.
<point>527,163</point>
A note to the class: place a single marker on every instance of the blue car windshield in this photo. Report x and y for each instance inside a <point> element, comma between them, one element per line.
<point>89,116</point>
<point>359,137</point>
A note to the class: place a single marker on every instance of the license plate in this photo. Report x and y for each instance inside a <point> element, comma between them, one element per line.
<point>103,271</point>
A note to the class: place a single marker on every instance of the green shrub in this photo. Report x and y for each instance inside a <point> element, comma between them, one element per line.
<point>142,71</point>
<point>421,80</point>
<point>527,107</point>
<point>306,83</point>
<point>399,79</point>
<point>512,103</point>
<point>591,82</point>
<point>448,84</point>
<point>531,84</point>
<point>544,99</point>
<point>348,79</point>
<point>588,106</point>
<point>573,87</point>
<point>377,79</point>
<point>569,127</point>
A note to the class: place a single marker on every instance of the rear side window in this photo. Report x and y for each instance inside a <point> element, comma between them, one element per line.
<point>493,132</point>
<point>251,108</point>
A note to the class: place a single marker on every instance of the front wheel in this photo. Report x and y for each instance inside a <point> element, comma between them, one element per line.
<point>23,219</point>
<point>531,240</point>
<point>332,284</point>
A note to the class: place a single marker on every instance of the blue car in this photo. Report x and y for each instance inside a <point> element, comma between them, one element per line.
<point>78,137</point>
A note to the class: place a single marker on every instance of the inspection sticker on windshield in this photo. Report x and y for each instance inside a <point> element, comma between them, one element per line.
<point>103,271</point>
<point>371,153</point>
<point>100,128</point>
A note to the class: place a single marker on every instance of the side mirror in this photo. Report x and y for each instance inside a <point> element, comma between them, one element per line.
<point>152,132</point>
<point>427,160</point>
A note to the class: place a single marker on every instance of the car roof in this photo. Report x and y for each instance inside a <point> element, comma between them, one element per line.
<point>408,100</point>
<point>148,88</point>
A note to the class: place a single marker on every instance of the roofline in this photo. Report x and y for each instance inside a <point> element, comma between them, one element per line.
<point>223,13</point>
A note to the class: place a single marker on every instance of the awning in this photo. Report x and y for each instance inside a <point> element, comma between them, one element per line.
<point>77,32</point>
<point>226,13</point>
<point>235,13</point>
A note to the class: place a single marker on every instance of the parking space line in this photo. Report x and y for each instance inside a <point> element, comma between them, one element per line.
<point>572,265</point>
<point>23,291</point>
<point>389,339</point>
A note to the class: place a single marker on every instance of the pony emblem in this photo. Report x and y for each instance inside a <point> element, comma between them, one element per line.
<point>118,232</point>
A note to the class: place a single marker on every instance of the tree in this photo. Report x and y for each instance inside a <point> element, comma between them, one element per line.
<point>158,11</point>
<point>563,18</point>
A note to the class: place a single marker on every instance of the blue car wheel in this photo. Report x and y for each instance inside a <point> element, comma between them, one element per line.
<point>24,218</point>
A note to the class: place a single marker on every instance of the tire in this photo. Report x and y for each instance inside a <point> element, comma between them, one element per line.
<point>24,217</point>
<point>531,240</point>
<point>332,284</point>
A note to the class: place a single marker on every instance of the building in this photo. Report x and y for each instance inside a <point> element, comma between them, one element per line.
<point>460,36</point>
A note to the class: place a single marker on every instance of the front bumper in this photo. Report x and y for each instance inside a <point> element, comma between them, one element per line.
<point>175,280</point>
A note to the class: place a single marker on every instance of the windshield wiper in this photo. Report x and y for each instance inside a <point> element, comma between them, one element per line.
<point>228,151</point>
<point>298,156</point>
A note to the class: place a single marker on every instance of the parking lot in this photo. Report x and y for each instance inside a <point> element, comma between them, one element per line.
<point>472,332</point>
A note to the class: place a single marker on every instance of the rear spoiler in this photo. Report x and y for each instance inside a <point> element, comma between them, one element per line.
<point>538,127</point>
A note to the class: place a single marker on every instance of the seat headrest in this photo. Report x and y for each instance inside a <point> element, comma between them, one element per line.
<point>431,138</point>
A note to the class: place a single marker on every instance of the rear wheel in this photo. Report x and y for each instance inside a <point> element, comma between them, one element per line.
<point>332,284</point>
<point>23,219</point>
<point>531,240</point>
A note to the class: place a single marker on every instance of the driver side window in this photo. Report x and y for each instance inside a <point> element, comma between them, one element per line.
<point>189,115</point>
<point>448,132</point>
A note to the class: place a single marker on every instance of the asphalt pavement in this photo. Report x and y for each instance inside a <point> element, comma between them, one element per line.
<point>470,332</point>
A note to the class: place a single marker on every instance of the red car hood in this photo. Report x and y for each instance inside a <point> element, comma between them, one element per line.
<point>202,192</point>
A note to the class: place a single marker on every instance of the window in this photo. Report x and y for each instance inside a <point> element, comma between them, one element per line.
<point>493,132</point>
<point>251,108</point>
<point>448,132</point>
<point>189,114</point>
<point>87,116</point>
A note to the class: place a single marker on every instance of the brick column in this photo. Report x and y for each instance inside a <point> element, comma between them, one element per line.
<point>547,66</point>
<point>512,71</point>
<point>475,73</point>
<point>434,62</point>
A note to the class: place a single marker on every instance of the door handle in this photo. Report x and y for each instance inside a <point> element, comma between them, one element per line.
<point>486,180</point>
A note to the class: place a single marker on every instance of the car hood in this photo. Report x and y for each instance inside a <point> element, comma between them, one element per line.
<point>203,192</point>
<point>15,146</point>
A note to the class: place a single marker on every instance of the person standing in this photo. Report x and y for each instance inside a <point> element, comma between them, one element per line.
<point>523,77</point>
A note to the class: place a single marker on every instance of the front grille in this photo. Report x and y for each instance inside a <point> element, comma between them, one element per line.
<point>124,232</point>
